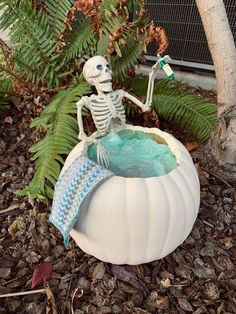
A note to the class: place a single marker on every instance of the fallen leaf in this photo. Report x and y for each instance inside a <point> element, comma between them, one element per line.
<point>212,291</point>
<point>228,242</point>
<point>165,283</point>
<point>192,146</point>
<point>16,226</point>
<point>41,274</point>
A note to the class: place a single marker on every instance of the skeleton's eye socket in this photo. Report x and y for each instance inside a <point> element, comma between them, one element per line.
<point>109,67</point>
<point>99,67</point>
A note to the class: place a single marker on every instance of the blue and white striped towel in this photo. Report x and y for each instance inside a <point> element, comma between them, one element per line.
<point>72,187</point>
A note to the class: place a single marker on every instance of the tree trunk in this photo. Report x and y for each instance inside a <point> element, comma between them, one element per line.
<point>220,152</point>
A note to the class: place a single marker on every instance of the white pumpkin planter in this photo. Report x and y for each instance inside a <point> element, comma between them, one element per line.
<point>138,220</point>
<point>131,220</point>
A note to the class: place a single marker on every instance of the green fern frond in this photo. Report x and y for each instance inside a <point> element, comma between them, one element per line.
<point>80,40</point>
<point>112,23</point>
<point>61,137</point>
<point>102,44</point>
<point>33,41</point>
<point>130,57</point>
<point>57,11</point>
<point>172,102</point>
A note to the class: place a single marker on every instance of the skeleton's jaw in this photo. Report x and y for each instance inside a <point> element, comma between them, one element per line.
<point>104,86</point>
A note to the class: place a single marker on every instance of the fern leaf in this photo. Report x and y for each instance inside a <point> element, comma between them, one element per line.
<point>102,44</point>
<point>130,57</point>
<point>57,11</point>
<point>172,102</point>
<point>106,31</point>
<point>80,41</point>
<point>61,137</point>
<point>33,41</point>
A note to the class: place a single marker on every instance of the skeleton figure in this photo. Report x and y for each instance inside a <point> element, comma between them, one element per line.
<point>106,107</point>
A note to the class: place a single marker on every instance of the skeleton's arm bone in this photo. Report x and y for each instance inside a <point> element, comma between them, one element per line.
<point>80,104</point>
<point>148,103</point>
<point>82,136</point>
<point>151,80</point>
<point>152,75</point>
<point>136,101</point>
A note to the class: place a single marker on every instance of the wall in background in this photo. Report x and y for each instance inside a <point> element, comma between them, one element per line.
<point>181,20</point>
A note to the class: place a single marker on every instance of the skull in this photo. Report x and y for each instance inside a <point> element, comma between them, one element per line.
<point>98,73</point>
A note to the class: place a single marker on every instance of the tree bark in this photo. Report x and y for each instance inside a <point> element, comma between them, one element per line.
<point>220,152</point>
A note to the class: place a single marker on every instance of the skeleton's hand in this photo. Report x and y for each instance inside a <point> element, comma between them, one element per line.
<point>155,67</point>
<point>102,155</point>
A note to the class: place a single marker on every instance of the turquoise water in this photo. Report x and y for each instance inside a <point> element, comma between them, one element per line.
<point>135,154</point>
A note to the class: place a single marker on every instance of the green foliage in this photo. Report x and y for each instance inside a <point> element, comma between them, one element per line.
<point>130,56</point>
<point>34,45</point>
<point>62,135</point>
<point>81,38</point>
<point>172,102</point>
<point>57,11</point>
<point>50,44</point>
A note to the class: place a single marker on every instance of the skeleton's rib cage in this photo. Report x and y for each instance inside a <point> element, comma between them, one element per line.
<point>106,109</point>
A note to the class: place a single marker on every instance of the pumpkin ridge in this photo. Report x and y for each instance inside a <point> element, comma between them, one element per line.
<point>127,231</point>
<point>187,185</point>
<point>168,218</point>
<point>196,205</point>
<point>174,179</point>
<point>145,254</point>
<point>103,231</point>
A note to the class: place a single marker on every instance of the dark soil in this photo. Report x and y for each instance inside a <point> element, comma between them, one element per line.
<point>198,277</point>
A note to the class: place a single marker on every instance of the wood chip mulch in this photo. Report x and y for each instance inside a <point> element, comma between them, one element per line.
<point>198,277</point>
